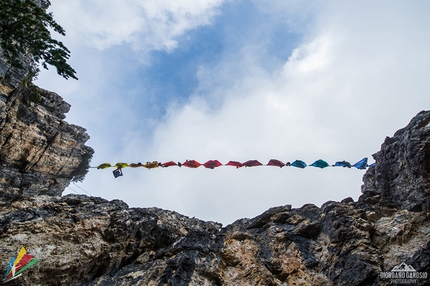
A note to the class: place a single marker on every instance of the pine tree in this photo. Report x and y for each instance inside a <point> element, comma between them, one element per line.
<point>24,29</point>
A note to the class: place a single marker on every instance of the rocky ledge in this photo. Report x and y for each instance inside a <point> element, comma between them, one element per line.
<point>82,240</point>
<point>40,153</point>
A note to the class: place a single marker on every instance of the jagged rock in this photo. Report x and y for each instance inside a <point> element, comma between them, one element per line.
<point>400,177</point>
<point>39,152</point>
<point>81,240</point>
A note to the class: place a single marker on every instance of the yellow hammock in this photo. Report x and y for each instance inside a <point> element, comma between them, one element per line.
<point>151,165</point>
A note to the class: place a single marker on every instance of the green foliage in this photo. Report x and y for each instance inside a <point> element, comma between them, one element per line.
<point>24,28</point>
<point>82,170</point>
<point>35,95</point>
<point>33,72</point>
<point>30,90</point>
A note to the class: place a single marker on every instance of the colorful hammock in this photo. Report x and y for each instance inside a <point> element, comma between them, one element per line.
<point>212,164</point>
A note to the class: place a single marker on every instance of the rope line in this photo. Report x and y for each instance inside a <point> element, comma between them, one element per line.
<point>81,189</point>
<point>73,190</point>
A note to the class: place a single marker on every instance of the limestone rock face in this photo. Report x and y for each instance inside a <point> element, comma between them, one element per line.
<point>82,240</point>
<point>12,76</point>
<point>401,177</point>
<point>39,152</point>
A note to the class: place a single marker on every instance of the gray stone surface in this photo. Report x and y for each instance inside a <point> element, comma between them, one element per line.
<point>39,151</point>
<point>401,176</point>
<point>10,76</point>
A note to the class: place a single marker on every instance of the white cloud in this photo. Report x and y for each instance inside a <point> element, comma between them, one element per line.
<point>146,25</point>
<point>339,94</point>
<point>107,40</point>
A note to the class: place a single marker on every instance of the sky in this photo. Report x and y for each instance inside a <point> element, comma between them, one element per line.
<point>238,80</point>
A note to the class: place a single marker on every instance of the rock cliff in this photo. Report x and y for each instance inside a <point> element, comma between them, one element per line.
<point>82,240</point>
<point>39,152</point>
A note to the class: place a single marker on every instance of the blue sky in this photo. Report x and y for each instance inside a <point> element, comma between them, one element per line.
<point>239,80</point>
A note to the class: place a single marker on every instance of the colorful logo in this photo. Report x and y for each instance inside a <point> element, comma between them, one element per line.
<point>19,264</point>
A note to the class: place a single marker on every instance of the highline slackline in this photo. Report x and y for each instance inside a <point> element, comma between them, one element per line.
<point>212,164</point>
